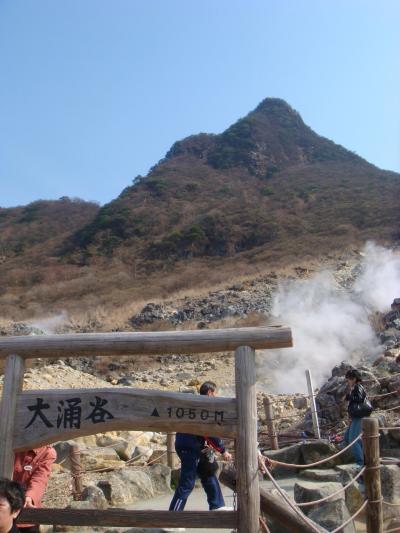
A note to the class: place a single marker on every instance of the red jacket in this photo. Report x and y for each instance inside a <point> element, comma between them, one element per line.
<point>32,469</point>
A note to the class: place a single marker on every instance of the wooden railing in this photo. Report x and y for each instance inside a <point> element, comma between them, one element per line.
<point>31,418</point>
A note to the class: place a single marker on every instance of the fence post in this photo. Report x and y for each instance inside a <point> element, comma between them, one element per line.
<point>248,490</point>
<point>314,415</point>
<point>372,476</point>
<point>269,416</point>
<point>76,471</point>
<point>12,386</point>
<point>171,450</point>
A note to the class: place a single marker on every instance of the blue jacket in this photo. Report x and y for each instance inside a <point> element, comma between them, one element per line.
<point>196,443</point>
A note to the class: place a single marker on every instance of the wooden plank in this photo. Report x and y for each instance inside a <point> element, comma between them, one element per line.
<point>248,490</point>
<point>160,342</point>
<point>372,475</point>
<point>124,518</point>
<point>274,507</point>
<point>45,416</point>
<point>13,379</point>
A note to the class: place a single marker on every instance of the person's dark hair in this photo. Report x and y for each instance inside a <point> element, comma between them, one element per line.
<point>208,386</point>
<point>353,374</point>
<point>13,492</point>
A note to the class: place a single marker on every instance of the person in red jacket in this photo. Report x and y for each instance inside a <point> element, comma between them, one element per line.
<point>32,470</point>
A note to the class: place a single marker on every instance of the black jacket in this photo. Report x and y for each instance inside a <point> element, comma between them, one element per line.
<point>357,395</point>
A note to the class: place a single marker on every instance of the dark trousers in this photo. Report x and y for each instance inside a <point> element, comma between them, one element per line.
<point>189,463</point>
<point>32,529</point>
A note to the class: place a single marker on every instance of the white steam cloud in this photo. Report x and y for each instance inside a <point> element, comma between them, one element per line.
<point>51,324</point>
<point>379,282</point>
<point>329,323</point>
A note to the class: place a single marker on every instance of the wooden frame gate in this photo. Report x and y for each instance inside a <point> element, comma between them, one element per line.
<point>29,419</point>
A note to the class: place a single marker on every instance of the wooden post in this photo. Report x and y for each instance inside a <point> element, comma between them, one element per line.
<point>76,471</point>
<point>171,450</point>
<point>372,476</point>
<point>12,386</point>
<point>314,414</point>
<point>248,490</point>
<point>269,416</point>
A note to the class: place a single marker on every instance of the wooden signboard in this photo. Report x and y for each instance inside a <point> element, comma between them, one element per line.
<point>29,419</point>
<point>45,416</point>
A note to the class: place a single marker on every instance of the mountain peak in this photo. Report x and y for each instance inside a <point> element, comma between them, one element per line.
<point>278,110</point>
<point>273,135</point>
<point>271,103</point>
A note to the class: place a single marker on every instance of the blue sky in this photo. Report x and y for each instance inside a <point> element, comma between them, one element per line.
<point>94,92</point>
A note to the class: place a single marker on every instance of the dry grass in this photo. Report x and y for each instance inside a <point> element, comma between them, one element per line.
<point>103,299</point>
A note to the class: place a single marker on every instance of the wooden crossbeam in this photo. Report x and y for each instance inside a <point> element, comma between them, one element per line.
<point>160,342</point>
<point>124,518</point>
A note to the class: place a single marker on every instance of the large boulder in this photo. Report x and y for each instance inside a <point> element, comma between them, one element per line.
<point>354,495</point>
<point>92,498</point>
<point>390,482</point>
<point>96,458</point>
<point>141,454</point>
<point>123,447</point>
<point>342,474</point>
<point>160,476</point>
<point>126,486</point>
<point>289,454</point>
<point>274,527</point>
<point>317,450</point>
<point>330,514</point>
<point>309,491</point>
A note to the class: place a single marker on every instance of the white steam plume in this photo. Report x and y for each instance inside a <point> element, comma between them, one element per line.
<point>379,282</point>
<point>329,323</point>
<point>51,324</point>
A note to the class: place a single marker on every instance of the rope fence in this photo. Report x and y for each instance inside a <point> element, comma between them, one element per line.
<point>292,505</point>
<point>264,525</point>
<point>296,506</point>
<point>316,463</point>
<point>390,504</point>
<point>307,504</point>
<point>340,528</point>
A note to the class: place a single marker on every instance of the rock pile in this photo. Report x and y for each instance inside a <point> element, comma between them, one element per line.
<point>238,301</point>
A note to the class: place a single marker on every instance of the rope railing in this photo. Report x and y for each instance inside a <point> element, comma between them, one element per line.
<point>389,504</point>
<point>264,525</point>
<point>342,489</point>
<point>340,528</point>
<point>383,395</point>
<point>379,379</point>
<point>391,408</point>
<point>295,506</point>
<point>292,505</point>
<point>316,463</point>
<point>284,400</point>
<point>126,463</point>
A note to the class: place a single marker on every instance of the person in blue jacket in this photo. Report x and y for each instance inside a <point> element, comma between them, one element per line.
<point>191,451</point>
